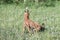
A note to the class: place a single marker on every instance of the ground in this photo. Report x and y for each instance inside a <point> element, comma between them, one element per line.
<point>11,21</point>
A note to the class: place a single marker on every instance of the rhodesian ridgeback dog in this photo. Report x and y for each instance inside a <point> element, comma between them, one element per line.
<point>29,24</point>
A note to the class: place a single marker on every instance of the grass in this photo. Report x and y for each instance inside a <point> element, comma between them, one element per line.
<point>11,21</point>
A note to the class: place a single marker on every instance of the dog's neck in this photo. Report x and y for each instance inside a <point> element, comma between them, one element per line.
<point>26,16</point>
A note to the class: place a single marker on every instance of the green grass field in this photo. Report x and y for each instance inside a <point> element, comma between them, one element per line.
<point>11,21</point>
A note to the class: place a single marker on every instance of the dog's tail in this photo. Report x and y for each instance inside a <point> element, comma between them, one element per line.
<point>43,27</point>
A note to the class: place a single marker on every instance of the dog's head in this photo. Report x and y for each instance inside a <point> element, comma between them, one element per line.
<point>27,10</point>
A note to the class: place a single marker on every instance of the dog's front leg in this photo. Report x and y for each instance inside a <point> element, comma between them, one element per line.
<point>23,29</point>
<point>24,26</point>
<point>28,27</point>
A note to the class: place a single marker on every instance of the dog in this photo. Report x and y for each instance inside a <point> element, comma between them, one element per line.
<point>29,24</point>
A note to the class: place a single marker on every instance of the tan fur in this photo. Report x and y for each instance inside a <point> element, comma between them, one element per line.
<point>29,23</point>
